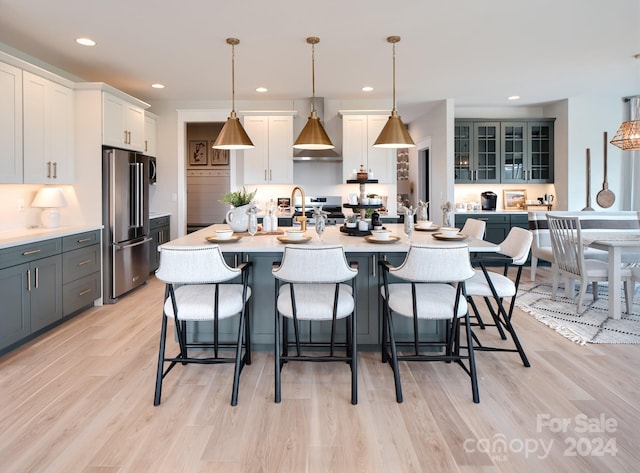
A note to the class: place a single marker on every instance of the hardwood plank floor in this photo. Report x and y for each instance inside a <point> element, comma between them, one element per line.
<point>80,399</point>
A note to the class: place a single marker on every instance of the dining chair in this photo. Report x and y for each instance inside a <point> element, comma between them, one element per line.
<point>428,286</point>
<point>311,285</point>
<point>474,228</point>
<point>494,287</point>
<point>200,288</point>
<point>568,252</point>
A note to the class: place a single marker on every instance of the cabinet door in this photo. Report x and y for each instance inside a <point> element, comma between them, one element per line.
<point>541,151</point>
<point>14,316</point>
<point>381,161</point>
<point>487,151</point>
<point>280,150</point>
<point>256,160</point>
<point>150,132</point>
<point>515,165</point>
<point>463,152</point>
<point>46,291</point>
<point>113,126</point>
<point>10,124</point>
<point>354,143</point>
<point>134,125</point>
<point>34,90</point>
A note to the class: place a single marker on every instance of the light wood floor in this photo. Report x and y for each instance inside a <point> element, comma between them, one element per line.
<point>80,399</point>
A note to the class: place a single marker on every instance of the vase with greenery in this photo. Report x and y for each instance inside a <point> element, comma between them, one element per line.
<point>237,218</point>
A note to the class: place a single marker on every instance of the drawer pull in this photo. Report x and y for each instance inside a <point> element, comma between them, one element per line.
<point>29,280</point>
<point>30,252</point>
<point>85,292</point>
<point>81,263</point>
<point>82,240</point>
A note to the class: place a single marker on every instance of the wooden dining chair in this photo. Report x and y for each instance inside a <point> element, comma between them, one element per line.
<point>430,286</point>
<point>568,252</point>
<point>199,288</point>
<point>315,284</point>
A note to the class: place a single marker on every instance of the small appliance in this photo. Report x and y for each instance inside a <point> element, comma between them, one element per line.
<point>489,200</point>
<point>330,204</point>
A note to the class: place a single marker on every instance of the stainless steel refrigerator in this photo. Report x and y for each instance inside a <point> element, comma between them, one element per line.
<point>125,215</point>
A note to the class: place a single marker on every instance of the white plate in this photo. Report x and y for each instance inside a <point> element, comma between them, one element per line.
<point>458,237</point>
<point>372,239</point>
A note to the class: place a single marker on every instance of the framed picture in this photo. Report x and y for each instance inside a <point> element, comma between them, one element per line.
<point>219,157</point>
<point>515,199</point>
<point>198,152</point>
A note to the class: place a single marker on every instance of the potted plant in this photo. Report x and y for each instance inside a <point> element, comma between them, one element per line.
<point>351,221</point>
<point>237,218</point>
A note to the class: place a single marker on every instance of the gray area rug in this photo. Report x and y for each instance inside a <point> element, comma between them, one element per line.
<point>590,325</point>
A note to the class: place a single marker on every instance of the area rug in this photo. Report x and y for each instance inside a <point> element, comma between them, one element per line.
<point>591,325</point>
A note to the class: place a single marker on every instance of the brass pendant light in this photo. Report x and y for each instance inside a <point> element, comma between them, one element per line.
<point>628,135</point>
<point>313,135</point>
<point>394,134</point>
<point>232,135</point>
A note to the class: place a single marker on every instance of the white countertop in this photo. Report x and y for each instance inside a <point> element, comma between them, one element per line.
<point>31,235</point>
<point>331,236</point>
<point>159,214</point>
<point>492,212</point>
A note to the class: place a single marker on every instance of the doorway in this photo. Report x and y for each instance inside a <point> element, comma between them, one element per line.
<point>424,178</point>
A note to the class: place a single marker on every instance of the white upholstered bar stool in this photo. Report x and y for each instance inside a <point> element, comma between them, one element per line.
<point>200,288</point>
<point>474,228</point>
<point>493,286</point>
<point>311,285</point>
<point>431,286</point>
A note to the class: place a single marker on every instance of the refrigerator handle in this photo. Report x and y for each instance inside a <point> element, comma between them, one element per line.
<point>137,196</point>
<point>132,245</point>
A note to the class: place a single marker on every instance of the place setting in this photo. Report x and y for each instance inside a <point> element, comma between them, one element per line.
<point>449,234</point>
<point>294,236</point>
<point>224,235</point>
<point>425,226</point>
<point>381,236</point>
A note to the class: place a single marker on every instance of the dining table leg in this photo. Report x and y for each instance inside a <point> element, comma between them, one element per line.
<point>615,288</point>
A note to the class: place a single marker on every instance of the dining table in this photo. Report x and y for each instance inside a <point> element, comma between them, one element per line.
<point>615,244</point>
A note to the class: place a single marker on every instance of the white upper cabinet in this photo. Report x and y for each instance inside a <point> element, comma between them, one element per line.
<point>359,132</point>
<point>10,124</point>
<point>48,127</point>
<point>150,133</point>
<point>271,161</point>
<point>123,123</point>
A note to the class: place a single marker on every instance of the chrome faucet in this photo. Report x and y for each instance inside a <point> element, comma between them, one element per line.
<point>300,218</point>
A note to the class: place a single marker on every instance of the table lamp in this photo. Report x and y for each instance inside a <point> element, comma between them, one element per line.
<point>50,198</point>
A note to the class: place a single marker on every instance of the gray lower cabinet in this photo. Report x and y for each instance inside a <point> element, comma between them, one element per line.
<point>160,232</point>
<point>80,270</point>
<point>30,289</point>
<point>43,282</point>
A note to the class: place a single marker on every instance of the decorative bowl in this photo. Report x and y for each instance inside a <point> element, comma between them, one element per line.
<point>224,234</point>
<point>381,234</point>
<point>294,234</point>
<point>449,231</point>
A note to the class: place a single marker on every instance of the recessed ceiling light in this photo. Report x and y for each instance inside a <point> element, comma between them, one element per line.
<point>513,97</point>
<point>262,90</point>
<point>367,88</point>
<point>157,86</point>
<point>86,41</point>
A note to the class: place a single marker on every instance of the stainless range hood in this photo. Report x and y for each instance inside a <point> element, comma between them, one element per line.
<point>302,155</point>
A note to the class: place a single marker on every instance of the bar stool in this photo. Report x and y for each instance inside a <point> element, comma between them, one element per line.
<point>310,285</point>
<point>198,289</point>
<point>489,285</point>
<point>431,287</point>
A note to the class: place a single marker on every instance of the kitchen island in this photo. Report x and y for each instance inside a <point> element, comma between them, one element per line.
<point>264,250</point>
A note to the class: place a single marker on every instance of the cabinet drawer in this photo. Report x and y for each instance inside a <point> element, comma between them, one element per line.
<point>79,263</point>
<point>159,222</point>
<point>30,252</point>
<point>80,240</point>
<point>80,293</point>
<point>520,221</point>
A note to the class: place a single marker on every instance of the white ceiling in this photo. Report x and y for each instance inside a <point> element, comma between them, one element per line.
<point>476,52</point>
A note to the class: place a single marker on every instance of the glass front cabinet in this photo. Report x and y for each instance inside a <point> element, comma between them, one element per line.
<point>503,151</point>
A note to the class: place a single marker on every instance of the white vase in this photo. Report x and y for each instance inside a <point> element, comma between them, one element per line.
<point>238,219</point>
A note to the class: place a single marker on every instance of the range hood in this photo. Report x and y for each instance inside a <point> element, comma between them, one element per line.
<point>317,155</point>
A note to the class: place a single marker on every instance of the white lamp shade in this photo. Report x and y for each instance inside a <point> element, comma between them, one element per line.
<point>50,198</point>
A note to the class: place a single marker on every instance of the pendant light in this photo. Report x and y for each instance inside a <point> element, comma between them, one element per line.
<point>313,135</point>
<point>394,134</point>
<point>628,135</point>
<point>232,135</point>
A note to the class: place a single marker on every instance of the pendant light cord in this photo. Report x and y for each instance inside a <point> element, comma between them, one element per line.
<point>233,77</point>
<point>394,75</point>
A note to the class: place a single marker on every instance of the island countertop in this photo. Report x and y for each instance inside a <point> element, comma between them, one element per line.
<point>331,236</point>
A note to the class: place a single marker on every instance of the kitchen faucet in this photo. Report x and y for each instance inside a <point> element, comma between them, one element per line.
<point>300,218</point>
